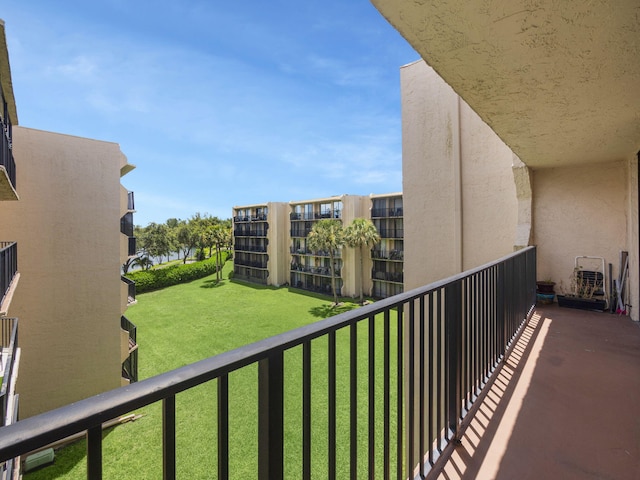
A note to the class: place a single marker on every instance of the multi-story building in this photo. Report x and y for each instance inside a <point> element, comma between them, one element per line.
<point>9,276</point>
<point>74,339</point>
<point>387,271</point>
<point>259,233</point>
<point>311,269</point>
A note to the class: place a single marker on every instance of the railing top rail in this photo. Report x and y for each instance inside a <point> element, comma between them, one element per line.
<point>40,430</point>
<point>5,245</point>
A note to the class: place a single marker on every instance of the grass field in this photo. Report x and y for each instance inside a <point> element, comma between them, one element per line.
<point>183,324</point>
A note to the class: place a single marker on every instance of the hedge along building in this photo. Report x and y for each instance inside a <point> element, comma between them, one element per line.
<point>560,86</point>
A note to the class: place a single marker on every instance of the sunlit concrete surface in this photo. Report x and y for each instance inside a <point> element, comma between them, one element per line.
<point>566,405</point>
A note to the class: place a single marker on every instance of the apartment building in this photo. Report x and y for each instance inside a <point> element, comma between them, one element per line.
<point>259,234</point>
<point>270,242</point>
<point>71,300</point>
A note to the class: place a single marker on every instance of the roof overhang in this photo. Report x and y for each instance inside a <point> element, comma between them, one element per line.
<point>559,82</point>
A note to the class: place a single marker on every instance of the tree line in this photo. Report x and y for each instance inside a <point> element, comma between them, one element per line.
<point>200,234</point>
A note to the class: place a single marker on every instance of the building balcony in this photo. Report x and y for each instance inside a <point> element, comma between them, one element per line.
<point>386,212</point>
<point>395,255</point>
<point>7,162</point>
<point>131,290</point>
<point>130,363</point>
<point>245,232</point>
<point>315,253</point>
<point>132,247</point>
<point>396,277</point>
<point>490,388</point>
<point>300,232</point>
<point>391,232</point>
<point>8,274</point>
<point>250,248</point>
<point>250,263</point>
<point>131,204</point>
<point>322,271</point>
<point>9,363</point>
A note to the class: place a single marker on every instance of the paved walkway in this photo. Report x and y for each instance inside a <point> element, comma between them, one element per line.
<point>565,406</point>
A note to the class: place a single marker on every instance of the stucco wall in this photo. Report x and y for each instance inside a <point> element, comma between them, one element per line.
<point>67,227</point>
<point>579,211</point>
<point>460,204</point>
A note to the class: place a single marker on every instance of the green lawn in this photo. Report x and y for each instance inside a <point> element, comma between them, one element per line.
<point>183,324</point>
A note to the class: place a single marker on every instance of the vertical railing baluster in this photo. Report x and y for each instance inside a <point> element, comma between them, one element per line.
<point>353,399</point>
<point>223,427</point>
<point>453,351</point>
<point>411,389</point>
<point>94,453</point>
<point>169,438</point>
<point>306,410</point>
<point>399,368</point>
<point>421,383</point>
<point>372,397</point>
<point>271,416</point>
<point>332,405</point>
<point>432,434</point>
<point>386,434</point>
<point>439,354</point>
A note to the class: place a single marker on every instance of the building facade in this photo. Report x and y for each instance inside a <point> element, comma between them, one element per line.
<point>71,298</point>
<point>270,243</point>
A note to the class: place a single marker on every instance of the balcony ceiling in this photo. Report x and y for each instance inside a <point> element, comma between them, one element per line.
<point>558,81</point>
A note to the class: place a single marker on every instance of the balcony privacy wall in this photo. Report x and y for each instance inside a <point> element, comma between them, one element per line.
<point>460,203</point>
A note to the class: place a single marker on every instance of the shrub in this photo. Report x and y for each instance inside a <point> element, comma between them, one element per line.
<point>157,278</point>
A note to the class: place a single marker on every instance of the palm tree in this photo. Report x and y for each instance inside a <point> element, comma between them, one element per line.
<point>327,235</point>
<point>359,234</point>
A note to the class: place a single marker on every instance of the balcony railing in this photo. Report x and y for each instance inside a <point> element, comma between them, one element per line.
<point>132,251</point>
<point>251,218</point>
<point>300,232</point>
<point>131,286</point>
<point>9,338</point>
<point>324,271</point>
<point>250,232</point>
<point>397,255</point>
<point>131,204</point>
<point>8,266</point>
<point>391,232</point>
<point>386,212</point>
<point>315,253</point>
<point>6,147</point>
<point>130,365</point>
<point>250,263</point>
<point>250,248</point>
<point>126,224</point>
<point>429,354</point>
<point>397,277</point>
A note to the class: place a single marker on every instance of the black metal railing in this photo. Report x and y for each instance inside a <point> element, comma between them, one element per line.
<point>397,255</point>
<point>131,289</point>
<point>8,266</point>
<point>6,145</point>
<point>397,277</point>
<point>386,212</point>
<point>250,232</point>
<point>249,275</point>
<point>315,253</point>
<point>250,263</point>
<point>126,224</point>
<point>132,251</point>
<point>325,271</point>
<point>131,204</point>
<point>391,232</point>
<point>130,365</point>
<point>9,338</point>
<point>262,217</point>
<point>426,355</point>
<point>241,247</point>
<point>300,232</point>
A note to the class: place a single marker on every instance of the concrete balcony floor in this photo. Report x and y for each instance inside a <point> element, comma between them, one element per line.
<point>566,405</point>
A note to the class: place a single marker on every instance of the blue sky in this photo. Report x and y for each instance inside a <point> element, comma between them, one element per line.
<point>218,103</point>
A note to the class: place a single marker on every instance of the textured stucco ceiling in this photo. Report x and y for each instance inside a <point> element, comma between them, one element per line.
<point>558,81</point>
